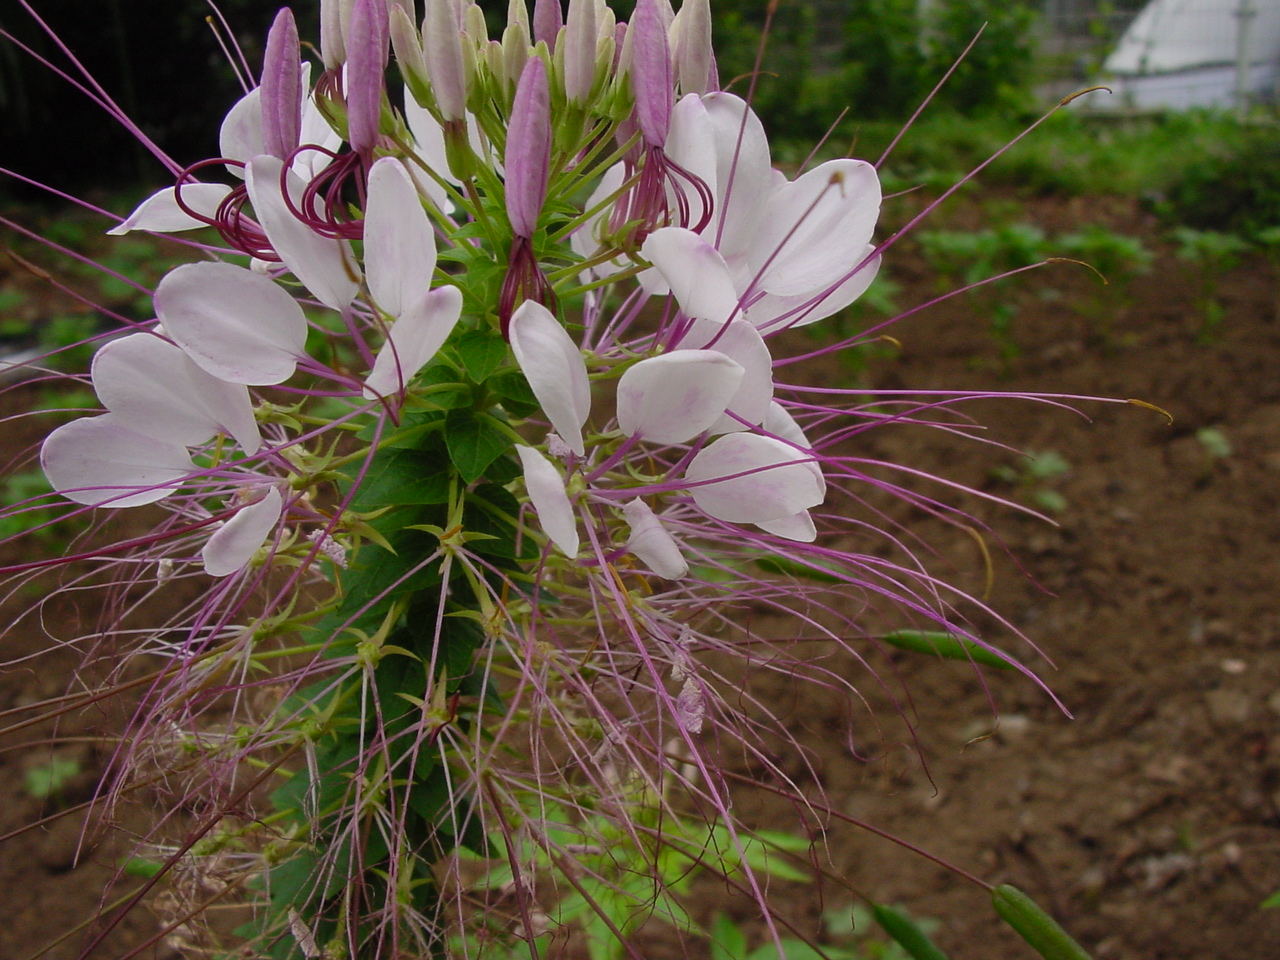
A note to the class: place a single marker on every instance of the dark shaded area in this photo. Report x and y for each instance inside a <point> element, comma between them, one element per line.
<point>159,60</point>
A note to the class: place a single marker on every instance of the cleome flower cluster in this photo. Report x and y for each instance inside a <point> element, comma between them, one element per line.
<point>470,430</point>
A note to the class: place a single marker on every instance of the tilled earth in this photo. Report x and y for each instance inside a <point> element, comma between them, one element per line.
<point>1148,819</point>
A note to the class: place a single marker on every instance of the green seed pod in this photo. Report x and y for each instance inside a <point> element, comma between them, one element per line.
<point>906,933</point>
<point>945,645</point>
<point>1033,925</point>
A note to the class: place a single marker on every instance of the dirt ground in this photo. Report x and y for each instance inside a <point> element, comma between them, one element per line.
<point>1147,821</point>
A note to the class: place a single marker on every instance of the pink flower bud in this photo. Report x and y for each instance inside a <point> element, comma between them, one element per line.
<point>528,153</point>
<point>651,72</point>
<point>368,46</point>
<point>548,18</point>
<point>442,45</point>
<point>282,88</point>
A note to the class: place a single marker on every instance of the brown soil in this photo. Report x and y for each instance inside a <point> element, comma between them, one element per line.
<point>1148,821</point>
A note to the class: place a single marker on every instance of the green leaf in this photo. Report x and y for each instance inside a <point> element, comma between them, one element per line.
<point>948,646</point>
<point>474,442</point>
<point>906,934</point>
<point>1272,902</point>
<point>728,942</point>
<point>482,352</point>
<point>517,396</point>
<point>793,568</point>
<point>405,477</point>
<point>1040,931</point>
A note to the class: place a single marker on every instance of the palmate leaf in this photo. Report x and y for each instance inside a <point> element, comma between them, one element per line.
<point>474,440</point>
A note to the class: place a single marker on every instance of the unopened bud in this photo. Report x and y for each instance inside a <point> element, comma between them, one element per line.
<point>281,96</point>
<point>528,152</point>
<point>548,18</point>
<point>407,44</point>
<point>442,47</point>
<point>367,51</point>
<point>691,53</point>
<point>651,72</point>
<point>579,50</point>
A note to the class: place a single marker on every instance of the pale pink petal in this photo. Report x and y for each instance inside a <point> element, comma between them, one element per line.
<point>749,478</point>
<point>744,174</point>
<point>691,148</point>
<point>797,527</point>
<point>160,213</point>
<point>699,278</point>
<point>816,229</point>
<point>241,135</point>
<point>99,461</point>
<point>316,131</point>
<point>324,266</point>
<point>550,500</point>
<point>740,342</point>
<point>553,365</point>
<point>234,543</point>
<point>676,396</point>
<point>651,542</point>
<point>236,324</point>
<point>773,313</point>
<point>782,425</point>
<point>399,243</point>
<point>413,340</point>
<point>154,388</point>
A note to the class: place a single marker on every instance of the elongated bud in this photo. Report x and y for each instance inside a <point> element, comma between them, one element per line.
<point>367,52</point>
<point>518,15</point>
<point>548,18</point>
<point>515,52</point>
<point>580,41</point>
<point>651,72</point>
<point>442,46</point>
<point>282,88</point>
<point>528,153</point>
<point>691,53</point>
<point>407,44</point>
<point>334,17</point>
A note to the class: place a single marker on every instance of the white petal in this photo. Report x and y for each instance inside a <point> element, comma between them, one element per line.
<point>693,150</point>
<point>744,175</point>
<point>780,423</point>
<point>651,542</point>
<point>674,397</point>
<point>324,266</point>
<point>742,343</point>
<point>234,543</point>
<point>817,229</point>
<point>553,365</point>
<point>550,500</point>
<point>749,478</point>
<point>772,313</point>
<point>241,135</point>
<point>700,279</point>
<point>97,460</point>
<point>236,324</point>
<point>796,527</point>
<point>413,340</point>
<point>154,388</point>
<point>399,244</point>
<point>316,131</point>
<point>160,213</point>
